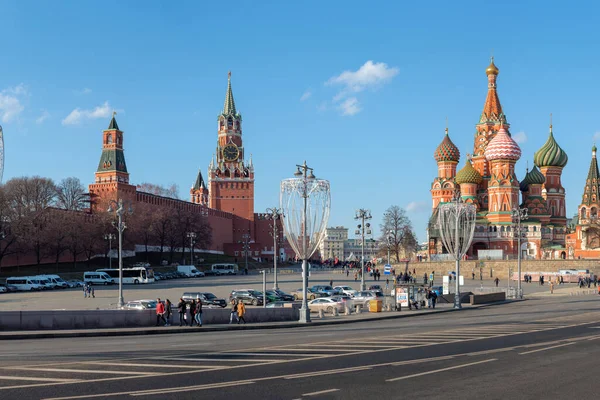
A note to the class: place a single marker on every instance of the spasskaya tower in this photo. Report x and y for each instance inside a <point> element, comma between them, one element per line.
<point>230,177</point>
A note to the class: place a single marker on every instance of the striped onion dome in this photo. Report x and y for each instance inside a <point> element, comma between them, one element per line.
<point>550,154</point>
<point>468,174</point>
<point>533,177</point>
<point>446,151</point>
<point>502,147</point>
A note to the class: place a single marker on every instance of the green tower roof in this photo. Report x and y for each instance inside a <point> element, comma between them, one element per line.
<point>468,174</point>
<point>550,154</point>
<point>229,107</point>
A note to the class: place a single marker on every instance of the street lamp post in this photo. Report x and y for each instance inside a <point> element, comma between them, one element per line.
<point>110,237</point>
<point>363,215</point>
<point>246,247</point>
<point>192,237</point>
<point>275,214</point>
<point>305,225</point>
<point>119,209</point>
<point>518,215</point>
<point>389,245</point>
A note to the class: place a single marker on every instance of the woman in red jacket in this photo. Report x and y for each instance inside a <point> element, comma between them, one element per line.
<point>160,310</point>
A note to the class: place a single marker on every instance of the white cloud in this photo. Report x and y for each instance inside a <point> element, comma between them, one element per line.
<point>596,136</point>
<point>10,102</point>
<point>349,106</point>
<point>417,206</point>
<point>520,137</point>
<point>369,76</point>
<point>45,114</point>
<point>78,115</point>
<point>84,91</point>
<point>306,95</point>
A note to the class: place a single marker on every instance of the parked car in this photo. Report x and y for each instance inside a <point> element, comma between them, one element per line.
<point>376,287</point>
<point>284,296</point>
<point>325,290</point>
<point>327,304</point>
<point>75,283</point>
<point>273,296</point>
<point>297,294</point>
<point>364,297</point>
<point>3,289</point>
<point>346,290</point>
<point>345,299</point>
<point>140,305</point>
<point>207,299</point>
<point>9,288</point>
<point>247,296</point>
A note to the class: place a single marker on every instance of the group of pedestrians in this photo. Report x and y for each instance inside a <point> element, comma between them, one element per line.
<point>238,310</point>
<point>164,312</point>
<point>88,290</point>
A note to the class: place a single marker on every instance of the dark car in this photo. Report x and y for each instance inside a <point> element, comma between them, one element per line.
<point>284,296</point>
<point>324,290</point>
<point>247,296</point>
<point>273,296</point>
<point>208,299</point>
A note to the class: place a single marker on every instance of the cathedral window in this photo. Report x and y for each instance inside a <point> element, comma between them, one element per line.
<point>109,139</point>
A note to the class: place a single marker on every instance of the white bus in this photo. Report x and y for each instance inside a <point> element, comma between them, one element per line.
<point>133,275</point>
<point>224,269</point>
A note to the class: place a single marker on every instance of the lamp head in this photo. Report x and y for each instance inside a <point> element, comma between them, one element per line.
<point>298,173</point>
<point>110,208</point>
<point>311,175</point>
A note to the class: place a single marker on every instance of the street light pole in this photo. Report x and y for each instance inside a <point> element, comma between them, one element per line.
<point>192,236</point>
<point>246,247</point>
<point>119,209</point>
<point>275,214</point>
<point>519,214</point>
<point>363,215</point>
<point>110,237</point>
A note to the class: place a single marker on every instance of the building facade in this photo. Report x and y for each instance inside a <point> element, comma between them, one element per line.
<point>332,246</point>
<point>226,199</point>
<point>488,181</point>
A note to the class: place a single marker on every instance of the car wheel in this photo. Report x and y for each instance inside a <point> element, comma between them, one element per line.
<point>136,282</point>
<point>105,283</point>
<point>255,302</point>
<point>31,290</point>
<point>330,310</point>
<point>295,297</point>
<point>312,297</point>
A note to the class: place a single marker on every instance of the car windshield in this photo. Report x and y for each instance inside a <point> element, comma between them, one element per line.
<point>149,304</point>
<point>255,292</point>
<point>210,296</point>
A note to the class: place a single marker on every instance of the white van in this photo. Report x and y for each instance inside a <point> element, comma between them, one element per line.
<point>224,269</point>
<point>56,280</point>
<point>23,283</point>
<point>97,278</point>
<point>190,271</point>
<point>44,282</point>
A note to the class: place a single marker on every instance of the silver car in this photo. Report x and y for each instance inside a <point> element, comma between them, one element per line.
<point>364,298</point>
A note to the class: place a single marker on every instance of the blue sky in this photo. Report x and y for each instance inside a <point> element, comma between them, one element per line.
<point>360,90</point>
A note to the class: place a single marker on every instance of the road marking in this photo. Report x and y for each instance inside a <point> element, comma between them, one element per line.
<point>421,360</point>
<point>216,359</point>
<point>440,370</point>
<point>192,388</point>
<point>321,392</point>
<point>29,378</point>
<point>150,365</point>
<point>330,372</point>
<point>85,371</point>
<point>547,348</point>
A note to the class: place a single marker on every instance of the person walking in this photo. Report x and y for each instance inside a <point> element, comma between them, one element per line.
<point>92,293</point>
<point>167,314</point>
<point>181,311</point>
<point>433,296</point>
<point>85,290</point>
<point>192,312</point>
<point>431,278</point>
<point>331,282</point>
<point>497,281</point>
<point>160,310</point>
<point>234,312</point>
<point>199,312</point>
<point>241,310</point>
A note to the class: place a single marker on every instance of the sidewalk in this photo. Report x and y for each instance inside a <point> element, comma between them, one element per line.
<point>566,290</point>
<point>316,321</point>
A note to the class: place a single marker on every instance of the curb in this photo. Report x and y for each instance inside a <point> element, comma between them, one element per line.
<point>142,332</point>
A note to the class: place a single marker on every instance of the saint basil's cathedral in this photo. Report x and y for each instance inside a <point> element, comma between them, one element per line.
<point>488,181</point>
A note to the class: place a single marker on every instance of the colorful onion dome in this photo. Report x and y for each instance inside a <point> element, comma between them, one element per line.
<point>446,151</point>
<point>468,174</point>
<point>535,177</point>
<point>502,147</point>
<point>492,69</point>
<point>524,185</point>
<point>550,154</point>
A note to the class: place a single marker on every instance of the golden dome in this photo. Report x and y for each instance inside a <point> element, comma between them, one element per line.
<point>492,69</point>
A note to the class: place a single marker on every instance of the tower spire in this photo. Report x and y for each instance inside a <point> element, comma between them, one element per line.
<point>113,122</point>
<point>492,109</point>
<point>229,107</point>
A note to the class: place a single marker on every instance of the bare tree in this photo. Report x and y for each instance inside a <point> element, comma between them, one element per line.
<point>398,226</point>
<point>71,195</point>
<point>171,191</point>
<point>7,238</point>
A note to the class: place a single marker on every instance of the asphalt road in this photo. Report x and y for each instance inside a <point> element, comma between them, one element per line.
<point>545,348</point>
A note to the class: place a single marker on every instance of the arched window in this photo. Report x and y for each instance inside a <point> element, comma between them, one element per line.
<point>109,139</point>
<point>229,123</point>
<point>583,213</point>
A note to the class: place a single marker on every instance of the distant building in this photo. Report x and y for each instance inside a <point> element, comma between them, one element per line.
<point>332,246</point>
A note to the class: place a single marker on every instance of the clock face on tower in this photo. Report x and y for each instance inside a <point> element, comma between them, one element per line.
<point>231,152</point>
